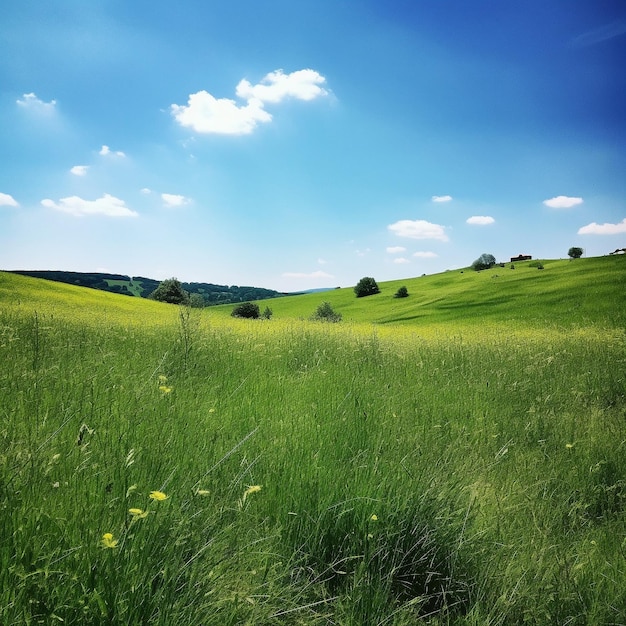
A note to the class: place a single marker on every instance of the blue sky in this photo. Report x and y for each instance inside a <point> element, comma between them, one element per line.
<point>295,145</point>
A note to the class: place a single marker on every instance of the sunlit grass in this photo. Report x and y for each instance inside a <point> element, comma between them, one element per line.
<point>160,465</point>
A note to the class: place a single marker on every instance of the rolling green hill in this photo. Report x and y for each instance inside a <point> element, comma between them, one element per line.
<point>565,293</point>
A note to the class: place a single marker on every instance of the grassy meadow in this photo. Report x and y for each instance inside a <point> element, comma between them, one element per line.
<point>455,457</point>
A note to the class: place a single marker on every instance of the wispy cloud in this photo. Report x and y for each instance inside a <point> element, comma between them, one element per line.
<point>425,255</point>
<point>108,205</point>
<point>31,102</point>
<point>172,200</point>
<point>401,261</point>
<point>441,198</point>
<point>603,229</point>
<point>600,34</point>
<point>562,202</point>
<point>79,170</point>
<point>205,113</point>
<point>480,220</point>
<point>8,200</point>
<point>396,249</point>
<point>106,151</point>
<point>316,274</point>
<point>418,229</point>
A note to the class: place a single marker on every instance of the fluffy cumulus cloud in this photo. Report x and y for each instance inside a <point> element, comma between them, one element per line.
<point>205,113</point>
<point>316,274</point>
<point>79,170</point>
<point>31,102</point>
<point>562,202</point>
<point>108,205</point>
<point>418,229</point>
<point>603,229</point>
<point>7,200</point>
<point>106,151</point>
<point>395,249</point>
<point>480,220</point>
<point>441,198</point>
<point>172,200</point>
<point>425,255</point>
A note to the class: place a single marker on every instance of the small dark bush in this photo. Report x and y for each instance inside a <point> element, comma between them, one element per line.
<point>401,293</point>
<point>246,309</point>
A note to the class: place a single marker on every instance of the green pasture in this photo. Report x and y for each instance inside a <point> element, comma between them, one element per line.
<point>456,457</point>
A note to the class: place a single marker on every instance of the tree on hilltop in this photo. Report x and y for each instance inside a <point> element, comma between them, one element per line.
<point>575,252</point>
<point>484,262</point>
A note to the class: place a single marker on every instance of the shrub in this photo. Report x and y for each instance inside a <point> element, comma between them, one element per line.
<point>267,313</point>
<point>247,309</point>
<point>326,313</point>
<point>367,286</point>
<point>401,293</point>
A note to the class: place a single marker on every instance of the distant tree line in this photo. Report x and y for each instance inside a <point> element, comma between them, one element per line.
<point>200,294</point>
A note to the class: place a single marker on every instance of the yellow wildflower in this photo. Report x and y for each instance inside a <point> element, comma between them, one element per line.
<point>203,492</point>
<point>158,495</point>
<point>374,518</point>
<point>162,379</point>
<point>138,513</point>
<point>108,541</point>
<point>251,489</point>
<point>165,389</point>
<point>569,446</point>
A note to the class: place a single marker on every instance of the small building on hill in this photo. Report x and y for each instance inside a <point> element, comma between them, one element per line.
<point>521,257</point>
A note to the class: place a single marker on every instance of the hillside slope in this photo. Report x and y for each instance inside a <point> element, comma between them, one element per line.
<point>565,293</point>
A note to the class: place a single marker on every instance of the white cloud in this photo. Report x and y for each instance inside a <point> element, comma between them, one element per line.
<point>79,170</point>
<point>401,261</point>
<point>395,249</point>
<point>205,113</point>
<point>276,86</point>
<point>480,220</point>
<point>322,261</point>
<point>418,229</point>
<point>562,202</point>
<point>173,200</point>
<point>603,229</point>
<point>146,191</point>
<point>441,198</point>
<point>316,274</point>
<point>108,205</point>
<point>7,200</point>
<point>425,255</point>
<point>105,151</point>
<point>31,102</point>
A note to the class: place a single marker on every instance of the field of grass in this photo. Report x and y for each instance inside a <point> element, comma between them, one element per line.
<point>457,457</point>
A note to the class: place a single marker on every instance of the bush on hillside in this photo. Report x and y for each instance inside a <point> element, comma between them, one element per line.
<point>326,313</point>
<point>367,286</point>
<point>170,291</point>
<point>248,310</point>
<point>402,293</point>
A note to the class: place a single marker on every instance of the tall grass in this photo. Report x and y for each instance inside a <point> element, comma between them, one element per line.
<point>314,473</point>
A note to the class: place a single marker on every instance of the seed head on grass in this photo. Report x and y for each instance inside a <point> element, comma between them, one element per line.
<point>159,496</point>
<point>107,541</point>
<point>250,490</point>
